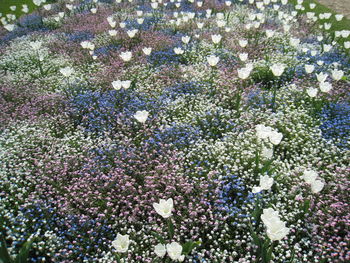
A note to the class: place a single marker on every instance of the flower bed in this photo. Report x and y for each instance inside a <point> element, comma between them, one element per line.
<point>174,131</point>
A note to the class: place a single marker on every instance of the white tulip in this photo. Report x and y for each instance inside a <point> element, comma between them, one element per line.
<point>216,38</point>
<point>243,56</point>
<point>265,184</point>
<point>67,71</point>
<point>178,51</point>
<point>147,50</point>
<point>35,45</point>
<point>185,39</point>
<point>244,73</point>
<point>277,230</point>
<point>310,176</point>
<point>121,243</point>
<point>174,250</point>
<point>321,77</point>
<point>325,87</point>
<point>213,60</point>
<point>132,33</point>
<point>337,74</point>
<point>160,250</point>
<point>277,69</point>
<point>312,92</point>
<point>141,116</point>
<point>339,17</point>
<point>317,186</point>
<point>275,137</point>
<point>309,68</point>
<point>126,56</point>
<point>117,84</point>
<point>164,207</point>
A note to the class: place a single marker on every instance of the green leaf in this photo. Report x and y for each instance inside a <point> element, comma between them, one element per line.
<point>256,239</point>
<point>306,206</point>
<point>4,255</point>
<point>23,254</point>
<point>189,246</point>
<point>117,257</point>
<point>170,228</point>
<point>157,236</point>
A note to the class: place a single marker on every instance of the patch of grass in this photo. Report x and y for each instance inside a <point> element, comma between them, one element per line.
<point>5,6</point>
<point>344,24</point>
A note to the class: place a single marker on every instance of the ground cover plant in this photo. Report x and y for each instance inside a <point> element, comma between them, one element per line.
<point>174,131</point>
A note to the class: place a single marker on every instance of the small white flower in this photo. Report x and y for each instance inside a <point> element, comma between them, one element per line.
<point>277,69</point>
<point>160,250</point>
<point>126,84</point>
<point>174,250</point>
<point>121,243</point>
<point>267,152</point>
<point>9,27</point>
<point>269,33</point>
<point>164,207</point>
<point>112,33</point>
<point>294,42</point>
<point>213,60</point>
<point>126,56</point>
<point>147,50</point>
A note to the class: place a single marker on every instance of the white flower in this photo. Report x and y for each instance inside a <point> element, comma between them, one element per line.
<point>321,77</point>
<point>277,230</point>
<point>216,38</point>
<point>337,74</point>
<point>178,51</point>
<point>275,137</point>
<point>268,215</point>
<point>269,33</point>
<point>312,5</point>
<point>200,25</point>
<point>121,243</point>
<point>243,56</point>
<point>265,184</point>
<point>244,73</point>
<point>277,69</point>
<point>25,8</point>
<point>267,152</point>
<point>185,39</point>
<point>325,87</point>
<point>310,176</point>
<point>339,17</point>
<point>112,33</point>
<point>147,50</point>
<point>327,48</point>
<point>262,131</point>
<point>9,27</point>
<point>154,5</point>
<point>347,44</point>
<point>294,42</point>
<point>243,42</point>
<point>213,60</point>
<point>141,116</point>
<point>132,33</point>
<point>36,45</point>
<point>309,68</point>
<point>122,24</point>
<point>67,71</point>
<point>126,56</point>
<point>93,10</point>
<point>164,207</point>
<point>317,186</point>
<point>160,250</point>
<point>47,7</point>
<point>312,92</point>
<point>126,84</point>
<point>38,2</point>
<point>174,250</point>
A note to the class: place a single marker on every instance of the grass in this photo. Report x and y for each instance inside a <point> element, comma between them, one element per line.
<point>5,6</point>
<point>344,24</point>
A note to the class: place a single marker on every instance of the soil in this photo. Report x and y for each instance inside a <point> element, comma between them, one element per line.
<point>340,6</point>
